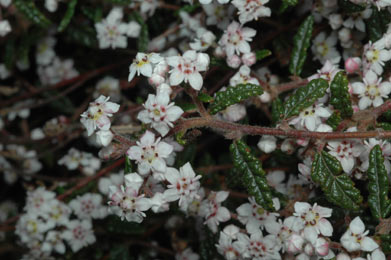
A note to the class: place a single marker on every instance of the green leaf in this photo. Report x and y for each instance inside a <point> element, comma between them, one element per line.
<point>205,97</point>
<point>68,15</point>
<point>30,10</point>
<point>233,95</point>
<point>93,13</point>
<point>277,110</point>
<point>378,185</point>
<point>334,120</point>
<point>9,53</point>
<point>340,97</point>
<point>348,7</point>
<point>337,186</point>
<point>187,9</point>
<point>128,165</point>
<point>287,3</point>
<point>119,252</point>
<point>143,38</point>
<point>386,243</point>
<point>253,176</point>
<point>83,35</point>
<point>207,245</point>
<point>305,97</point>
<point>261,54</point>
<point>377,24</point>
<point>301,43</point>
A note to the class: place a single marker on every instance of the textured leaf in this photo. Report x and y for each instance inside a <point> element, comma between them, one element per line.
<point>30,10</point>
<point>82,35</point>
<point>348,7</point>
<point>261,54</point>
<point>68,15</point>
<point>305,97</point>
<point>334,120</point>
<point>128,165</point>
<point>233,95</point>
<point>287,3</point>
<point>205,97</point>
<point>337,186</point>
<point>377,24</point>
<point>253,175</point>
<point>340,97</point>
<point>386,243</point>
<point>277,110</point>
<point>301,43</point>
<point>378,185</point>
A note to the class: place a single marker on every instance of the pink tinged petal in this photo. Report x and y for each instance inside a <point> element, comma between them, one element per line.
<point>134,153</point>
<point>368,244</point>
<point>357,226</point>
<point>103,123</point>
<point>310,233</point>
<point>364,103</point>
<point>176,77</point>
<point>326,229</point>
<point>174,113</point>
<point>159,165</point>
<point>144,168</point>
<point>195,80</point>
<point>146,70</point>
<point>147,139</point>
<point>164,149</point>
<point>173,61</point>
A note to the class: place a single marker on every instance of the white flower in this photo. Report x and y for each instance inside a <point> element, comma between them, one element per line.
<point>97,115</point>
<point>346,153</point>
<point>205,2</point>
<point>53,242</point>
<point>45,51</point>
<point>114,179</point>
<point>75,159</point>
<point>377,254</point>
<point>335,21</point>
<point>143,63</point>
<point>159,203</point>
<point>314,220</point>
<point>79,234</point>
<point>104,137</point>
<point>267,143</point>
<point>133,29</point>
<point>150,154</point>
<point>187,254</point>
<point>5,28</point>
<point>243,77</point>
<point>183,185</point>
<point>204,40</point>
<point>111,31</point>
<point>212,210</point>
<point>251,10</point>
<point>187,68</point>
<point>109,87</point>
<point>148,6</point>
<point>355,238</point>
<point>327,72</point>
<point>254,216</point>
<point>88,206</point>
<point>372,91</point>
<point>51,5</point>
<point>218,15</point>
<point>160,113</point>
<point>324,48</point>
<point>235,39</point>
<point>356,20</point>
<point>5,3</point>
<point>37,200</point>
<point>229,249</point>
<point>30,227</point>
<point>4,72</point>
<point>386,152</point>
<point>375,55</point>
<point>125,201</point>
<point>58,71</point>
<point>311,117</point>
<point>260,247</point>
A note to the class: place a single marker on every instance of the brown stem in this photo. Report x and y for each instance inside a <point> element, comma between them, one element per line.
<point>200,106</point>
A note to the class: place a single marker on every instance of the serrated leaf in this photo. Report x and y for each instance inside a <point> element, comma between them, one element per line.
<point>253,176</point>
<point>68,15</point>
<point>334,120</point>
<point>336,185</point>
<point>340,97</point>
<point>348,7</point>
<point>277,110</point>
<point>287,3</point>
<point>143,38</point>
<point>386,243</point>
<point>261,54</point>
<point>93,13</point>
<point>305,97</point>
<point>301,43</point>
<point>205,97</point>
<point>377,24</point>
<point>233,95</point>
<point>378,185</point>
<point>30,10</point>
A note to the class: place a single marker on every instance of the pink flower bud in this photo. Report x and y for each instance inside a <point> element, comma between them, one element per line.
<point>219,52</point>
<point>322,247</point>
<point>265,97</point>
<point>249,58</point>
<point>352,65</point>
<point>234,61</point>
<point>295,244</point>
<point>156,80</point>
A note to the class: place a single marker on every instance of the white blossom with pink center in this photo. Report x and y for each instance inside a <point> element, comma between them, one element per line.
<point>79,234</point>
<point>212,210</point>
<point>236,39</point>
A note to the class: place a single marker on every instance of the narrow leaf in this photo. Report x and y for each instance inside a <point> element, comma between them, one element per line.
<point>68,15</point>
<point>205,97</point>
<point>378,185</point>
<point>340,97</point>
<point>301,43</point>
<point>287,3</point>
<point>277,110</point>
<point>261,54</point>
<point>93,13</point>
<point>348,7</point>
<point>253,175</point>
<point>377,24</point>
<point>305,97</point>
<point>337,186</point>
<point>30,10</point>
<point>233,95</point>
<point>143,38</point>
